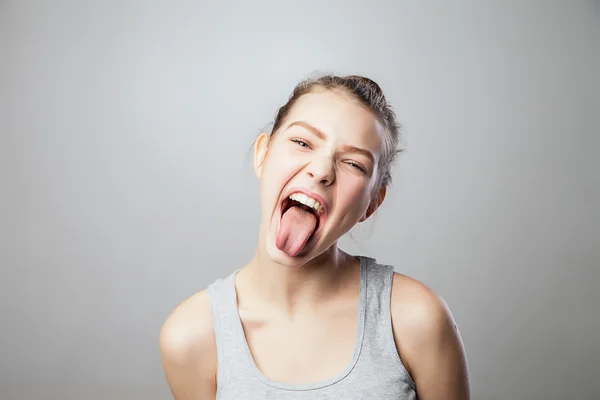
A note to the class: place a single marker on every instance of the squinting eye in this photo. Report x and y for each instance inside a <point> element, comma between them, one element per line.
<point>356,165</point>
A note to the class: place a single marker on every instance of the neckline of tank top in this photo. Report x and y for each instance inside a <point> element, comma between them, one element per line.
<point>360,330</point>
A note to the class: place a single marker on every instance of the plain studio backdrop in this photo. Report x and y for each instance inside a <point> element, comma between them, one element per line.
<point>126,183</point>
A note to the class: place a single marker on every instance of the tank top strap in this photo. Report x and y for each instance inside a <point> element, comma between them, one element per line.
<point>229,335</point>
<point>379,285</point>
<point>380,345</point>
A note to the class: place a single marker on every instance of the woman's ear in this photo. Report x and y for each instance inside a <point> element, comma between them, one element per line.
<point>375,203</point>
<point>260,152</point>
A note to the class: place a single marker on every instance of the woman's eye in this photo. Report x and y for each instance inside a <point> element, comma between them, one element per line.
<point>357,166</point>
<point>300,142</point>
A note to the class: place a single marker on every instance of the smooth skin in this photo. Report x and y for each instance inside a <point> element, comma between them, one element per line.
<point>311,300</point>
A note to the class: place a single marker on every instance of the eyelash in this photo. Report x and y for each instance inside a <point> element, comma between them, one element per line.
<point>298,141</point>
<point>303,143</point>
<point>357,166</point>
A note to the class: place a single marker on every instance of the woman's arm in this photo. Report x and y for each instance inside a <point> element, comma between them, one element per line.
<point>188,350</point>
<point>428,341</point>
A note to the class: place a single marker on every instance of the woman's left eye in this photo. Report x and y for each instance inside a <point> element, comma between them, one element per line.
<point>356,165</point>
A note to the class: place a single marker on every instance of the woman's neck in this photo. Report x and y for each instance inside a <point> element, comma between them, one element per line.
<point>294,290</point>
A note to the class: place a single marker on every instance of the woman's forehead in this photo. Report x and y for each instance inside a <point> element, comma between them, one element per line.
<point>338,116</point>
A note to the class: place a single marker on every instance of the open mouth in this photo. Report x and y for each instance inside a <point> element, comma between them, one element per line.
<point>289,203</point>
<point>301,218</point>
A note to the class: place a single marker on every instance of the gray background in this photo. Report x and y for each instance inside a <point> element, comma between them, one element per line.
<point>126,184</point>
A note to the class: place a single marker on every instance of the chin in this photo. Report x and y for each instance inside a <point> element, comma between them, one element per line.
<point>281,258</point>
<point>312,250</point>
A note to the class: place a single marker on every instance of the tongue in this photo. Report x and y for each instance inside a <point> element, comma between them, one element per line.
<point>295,229</point>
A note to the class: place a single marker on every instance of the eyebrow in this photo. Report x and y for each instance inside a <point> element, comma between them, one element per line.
<point>322,136</point>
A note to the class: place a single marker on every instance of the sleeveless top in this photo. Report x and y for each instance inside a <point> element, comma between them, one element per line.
<point>375,371</point>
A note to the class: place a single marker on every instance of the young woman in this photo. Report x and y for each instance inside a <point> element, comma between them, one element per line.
<point>304,319</point>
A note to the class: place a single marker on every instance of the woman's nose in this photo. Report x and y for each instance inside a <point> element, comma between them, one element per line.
<point>321,170</point>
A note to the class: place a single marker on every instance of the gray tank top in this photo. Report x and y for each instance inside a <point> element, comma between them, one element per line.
<point>375,371</point>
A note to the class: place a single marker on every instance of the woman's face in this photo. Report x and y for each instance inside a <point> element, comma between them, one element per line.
<point>328,149</point>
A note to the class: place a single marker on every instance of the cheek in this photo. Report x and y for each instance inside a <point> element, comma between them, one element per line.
<point>354,197</point>
<point>277,171</point>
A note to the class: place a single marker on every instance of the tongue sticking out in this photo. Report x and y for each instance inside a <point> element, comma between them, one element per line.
<point>295,228</point>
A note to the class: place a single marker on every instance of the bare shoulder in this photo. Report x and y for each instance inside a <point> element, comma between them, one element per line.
<point>417,307</point>
<point>428,340</point>
<point>189,328</point>
<point>188,349</point>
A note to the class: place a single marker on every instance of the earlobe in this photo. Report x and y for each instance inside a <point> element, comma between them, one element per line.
<point>260,152</point>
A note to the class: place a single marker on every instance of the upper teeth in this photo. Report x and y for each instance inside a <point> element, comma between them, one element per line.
<point>304,199</point>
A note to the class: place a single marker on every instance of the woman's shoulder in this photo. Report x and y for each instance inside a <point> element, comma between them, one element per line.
<point>189,327</point>
<point>188,349</point>
<point>426,335</point>
<point>187,337</point>
<point>420,306</point>
<point>190,323</point>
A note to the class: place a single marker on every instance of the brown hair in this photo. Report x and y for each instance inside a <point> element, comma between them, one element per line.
<point>368,93</point>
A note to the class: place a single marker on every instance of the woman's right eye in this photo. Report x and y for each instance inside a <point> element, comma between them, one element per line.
<point>300,142</point>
